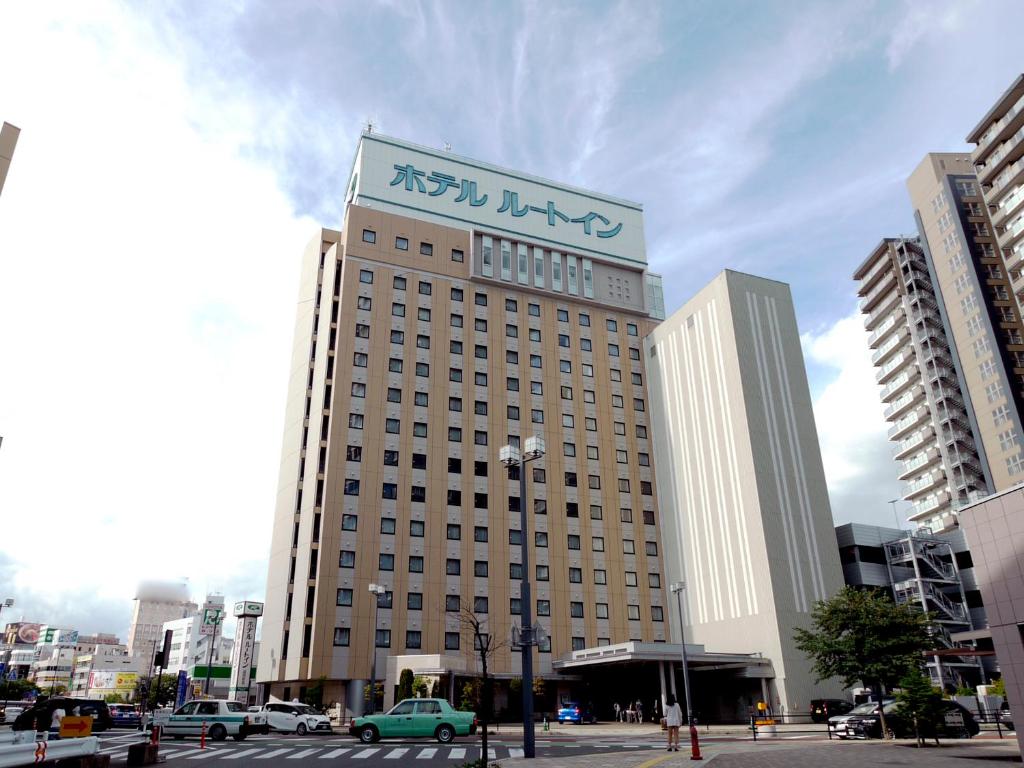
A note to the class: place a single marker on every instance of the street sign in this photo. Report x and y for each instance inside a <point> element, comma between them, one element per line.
<point>73,727</point>
<point>212,615</point>
<point>248,608</point>
<point>182,691</point>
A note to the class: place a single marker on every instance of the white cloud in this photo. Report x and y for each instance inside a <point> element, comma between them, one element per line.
<point>147,278</point>
<point>855,450</point>
<point>926,18</point>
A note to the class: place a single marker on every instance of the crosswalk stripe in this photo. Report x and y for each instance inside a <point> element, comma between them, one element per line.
<point>491,755</point>
<point>333,753</point>
<point>203,753</point>
<point>394,754</point>
<point>365,753</point>
<point>188,752</point>
<point>426,753</point>
<point>242,753</point>
<point>515,752</point>
<point>172,753</point>
<point>457,753</point>
<point>273,753</point>
<point>304,753</point>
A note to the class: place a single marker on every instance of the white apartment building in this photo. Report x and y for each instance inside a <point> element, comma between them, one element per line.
<point>155,604</point>
<point>934,442</point>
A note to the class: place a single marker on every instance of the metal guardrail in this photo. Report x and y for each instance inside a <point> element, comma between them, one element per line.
<point>23,749</point>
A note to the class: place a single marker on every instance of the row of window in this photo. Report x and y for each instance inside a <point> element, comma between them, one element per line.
<point>425,288</point>
<point>481,501</point>
<point>452,640</point>
<point>402,244</point>
<point>453,566</point>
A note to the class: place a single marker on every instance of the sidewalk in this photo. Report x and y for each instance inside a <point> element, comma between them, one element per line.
<point>789,754</point>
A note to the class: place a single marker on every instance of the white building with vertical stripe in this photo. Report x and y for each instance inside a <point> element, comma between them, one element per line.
<point>745,510</point>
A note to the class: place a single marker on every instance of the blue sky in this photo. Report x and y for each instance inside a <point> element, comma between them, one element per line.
<point>176,157</point>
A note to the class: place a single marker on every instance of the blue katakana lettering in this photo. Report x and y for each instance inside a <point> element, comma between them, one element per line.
<point>468,192</point>
<point>586,221</point>
<point>510,202</point>
<point>551,212</point>
<point>443,181</point>
<point>610,232</point>
<point>409,174</point>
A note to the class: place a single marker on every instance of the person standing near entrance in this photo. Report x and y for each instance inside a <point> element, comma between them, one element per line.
<point>618,712</point>
<point>673,719</point>
<point>639,711</point>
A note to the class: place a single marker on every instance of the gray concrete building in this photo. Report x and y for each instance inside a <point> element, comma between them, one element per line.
<point>746,520</point>
<point>8,140</point>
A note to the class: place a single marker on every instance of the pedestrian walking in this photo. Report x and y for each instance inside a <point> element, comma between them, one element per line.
<point>639,711</point>
<point>673,719</point>
<point>618,712</point>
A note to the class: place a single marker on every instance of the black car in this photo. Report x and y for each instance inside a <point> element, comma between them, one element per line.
<point>823,709</point>
<point>868,726</point>
<point>42,713</point>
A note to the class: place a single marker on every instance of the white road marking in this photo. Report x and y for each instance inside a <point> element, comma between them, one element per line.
<point>457,753</point>
<point>365,753</point>
<point>238,754</point>
<point>333,753</point>
<point>394,754</point>
<point>515,752</point>
<point>304,753</point>
<point>273,753</point>
<point>203,753</point>
<point>426,753</point>
<point>188,752</point>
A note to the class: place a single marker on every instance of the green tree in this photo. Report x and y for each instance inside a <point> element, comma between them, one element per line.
<point>862,636</point>
<point>114,698</point>
<point>420,686</point>
<point>405,680</point>
<point>998,688</point>
<point>922,704</point>
<point>16,690</point>
<point>156,697</point>
<point>315,693</point>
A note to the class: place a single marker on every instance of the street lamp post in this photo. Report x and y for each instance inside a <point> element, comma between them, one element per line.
<point>677,589</point>
<point>377,590</point>
<point>511,456</point>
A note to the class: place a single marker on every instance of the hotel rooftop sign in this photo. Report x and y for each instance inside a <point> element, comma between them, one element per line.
<point>407,179</point>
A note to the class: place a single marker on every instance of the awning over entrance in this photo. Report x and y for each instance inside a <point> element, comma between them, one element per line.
<point>699,660</point>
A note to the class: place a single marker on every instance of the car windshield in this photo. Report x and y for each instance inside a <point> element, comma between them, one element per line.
<point>305,709</point>
<point>868,708</point>
<point>234,706</point>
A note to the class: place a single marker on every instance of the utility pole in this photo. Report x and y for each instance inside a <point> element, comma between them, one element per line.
<point>209,661</point>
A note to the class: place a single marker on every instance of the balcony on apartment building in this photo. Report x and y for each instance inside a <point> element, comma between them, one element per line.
<point>925,436</point>
<point>1008,150</point>
<point>902,404</point>
<point>883,296</point>
<point>1005,182</point>
<point>890,346</point>
<point>1009,235</point>
<point>924,484</point>
<point>919,463</point>
<point>882,331</point>
<point>904,425</point>
<point>1009,205</point>
<point>895,365</point>
<point>996,133</point>
<point>909,375</point>
<point>931,506</point>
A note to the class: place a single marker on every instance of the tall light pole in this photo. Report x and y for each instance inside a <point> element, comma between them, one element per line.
<point>376,590</point>
<point>677,589</point>
<point>511,456</point>
<point>895,515</point>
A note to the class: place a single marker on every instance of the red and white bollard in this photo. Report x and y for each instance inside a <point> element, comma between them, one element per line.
<point>202,736</point>
<point>154,735</point>
<point>694,744</point>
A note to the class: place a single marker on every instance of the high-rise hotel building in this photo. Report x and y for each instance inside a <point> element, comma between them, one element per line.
<point>463,307</point>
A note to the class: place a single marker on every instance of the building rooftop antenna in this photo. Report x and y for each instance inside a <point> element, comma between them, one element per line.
<point>447,146</point>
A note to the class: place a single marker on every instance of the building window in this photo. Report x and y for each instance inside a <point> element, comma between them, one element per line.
<point>369,236</point>
<point>480,299</point>
<point>453,566</point>
<point>347,559</point>
<point>386,562</point>
<point>628,547</point>
<point>600,576</point>
<point>383,638</point>
<point>1015,464</point>
<point>413,638</point>
<point>573,541</point>
<point>365,276</point>
<point>387,525</point>
<point>426,249</point>
<point>542,573</point>
<point>349,522</point>
<point>398,337</point>
<point>415,564</point>
<point>480,604</point>
<point>630,578</point>
<point>414,601</point>
<point>351,487</point>
<point>651,548</point>
<point>458,255</point>
<point>451,641</point>
<point>363,302</point>
<point>576,610</point>
<point>341,636</point>
<point>534,310</point>
<point>633,612</point>
<point>597,543</point>
<point>402,243</point>
<point>543,607</point>
<point>657,614</point>
<point>515,606</point>
<point>344,597</point>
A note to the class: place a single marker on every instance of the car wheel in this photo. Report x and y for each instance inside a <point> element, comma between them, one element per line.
<point>218,732</point>
<point>445,734</point>
<point>368,734</point>
<point>300,729</point>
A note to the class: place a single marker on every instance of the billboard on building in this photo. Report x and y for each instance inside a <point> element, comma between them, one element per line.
<point>27,634</point>
<point>111,680</point>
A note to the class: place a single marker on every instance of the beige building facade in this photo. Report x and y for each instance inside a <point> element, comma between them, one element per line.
<point>463,307</point>
<point>747,523</point>
<point>980,312</point>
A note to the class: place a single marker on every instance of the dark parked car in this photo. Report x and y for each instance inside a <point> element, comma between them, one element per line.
<point>42,711</point>
<point>959,723</point>
<point>823,709</point>
<point>125,716</point>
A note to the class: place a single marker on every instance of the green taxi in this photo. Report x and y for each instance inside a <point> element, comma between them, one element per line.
<point>411,718</point>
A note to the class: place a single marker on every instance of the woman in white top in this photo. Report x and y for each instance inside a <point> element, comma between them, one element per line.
<point>673,719</point>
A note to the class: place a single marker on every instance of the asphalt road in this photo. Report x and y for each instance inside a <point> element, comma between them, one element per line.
<point>279,750</point>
